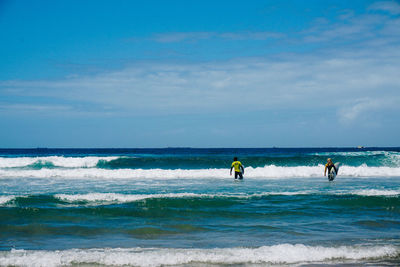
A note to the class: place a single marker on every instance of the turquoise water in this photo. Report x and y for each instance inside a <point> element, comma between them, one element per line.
<point>180,207</point>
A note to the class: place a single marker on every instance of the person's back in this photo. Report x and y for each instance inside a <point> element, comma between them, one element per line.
<point>239,170</point>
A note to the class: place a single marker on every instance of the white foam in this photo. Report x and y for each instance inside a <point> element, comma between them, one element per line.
<point>122,198</point>
<point>376,192</point>
<point>6,199</point>
<point>269,172</point>
<point>154,257</point>
<point>59,161</point>
<point>358,153</point>
<point>365,171</point>
<point>114,198</point>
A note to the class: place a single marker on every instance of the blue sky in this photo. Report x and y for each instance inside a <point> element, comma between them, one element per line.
<point>199,73</point>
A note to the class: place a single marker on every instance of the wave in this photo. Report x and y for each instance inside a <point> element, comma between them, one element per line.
<point>118,198</point>
<point>114,198</point>
<point>56,161</point>
<point>6,199</point>
<point>268,172</point>
<point>122,198</point>
<point>370,158</point>
<point>356,153</point>
<point>154,257</point>
<point>205,161</point>
<point>376,192</point>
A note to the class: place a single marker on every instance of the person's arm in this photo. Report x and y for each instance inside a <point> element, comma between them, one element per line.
<point>231,170</point>
<point>241,166</point>
<point>325,171</point>
<point>334,167</point>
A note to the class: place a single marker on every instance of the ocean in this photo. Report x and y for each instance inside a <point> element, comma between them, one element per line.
<point>180,207</point>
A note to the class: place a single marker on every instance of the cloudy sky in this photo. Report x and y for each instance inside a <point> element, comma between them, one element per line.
<point>199,73</point>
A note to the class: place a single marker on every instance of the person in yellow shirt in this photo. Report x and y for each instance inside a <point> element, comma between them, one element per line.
<point>239,170</point>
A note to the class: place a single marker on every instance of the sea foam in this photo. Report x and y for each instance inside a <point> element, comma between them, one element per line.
<point>153,257</point>
<point>376,192</point>
<point>270,172</point>
<point>6,199</point>
<point>114,198</point>
<point>58,161</point>
<point>122,198</point>
<point>118,198</point>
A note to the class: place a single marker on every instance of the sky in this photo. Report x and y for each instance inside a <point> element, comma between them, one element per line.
<point>288,73</point>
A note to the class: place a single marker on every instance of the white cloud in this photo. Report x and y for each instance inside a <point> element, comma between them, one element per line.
<point>388,6</point>
<point>181,36</point>
<point>348,27</point>
<point>174,37</point>
<point>357,29</point>
<point>361,108</point>
<point>294,83</point>
<point>29,108</point>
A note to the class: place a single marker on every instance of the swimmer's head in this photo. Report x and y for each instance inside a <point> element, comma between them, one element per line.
<point>235,159</point>
<point>329,160</point>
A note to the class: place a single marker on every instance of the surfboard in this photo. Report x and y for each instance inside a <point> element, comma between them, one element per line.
<point>332,174</point>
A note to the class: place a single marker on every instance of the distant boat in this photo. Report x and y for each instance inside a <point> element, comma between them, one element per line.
<point>359,147</point>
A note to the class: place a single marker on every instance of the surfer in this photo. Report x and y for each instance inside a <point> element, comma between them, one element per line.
<point>239,170</point>
<point>329,165</point>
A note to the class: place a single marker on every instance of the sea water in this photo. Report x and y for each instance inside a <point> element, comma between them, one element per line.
<point>180,207</point>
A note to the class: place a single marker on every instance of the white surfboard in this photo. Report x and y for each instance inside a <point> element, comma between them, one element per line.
<point>332,174</point>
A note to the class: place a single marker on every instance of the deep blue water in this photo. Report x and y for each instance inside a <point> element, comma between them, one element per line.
<point>180,206</point>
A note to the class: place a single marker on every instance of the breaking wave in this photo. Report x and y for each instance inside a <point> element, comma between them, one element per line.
<point>56,161</point>
<point>118,198</point>
<point>269,172</point>
<point>154,257</point>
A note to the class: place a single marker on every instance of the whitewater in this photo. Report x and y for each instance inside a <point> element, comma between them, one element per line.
<point>88,167</point>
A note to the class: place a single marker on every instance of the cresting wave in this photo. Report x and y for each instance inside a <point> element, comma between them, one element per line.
<point>112,198</point>
<point>57,161</point>
<point>202,161</point>
<point>357,153</point>
<point>154,257</point>
<point>115,198</point>
<point>121,198</point>
<point>269,172</point>
<point>6,199</point>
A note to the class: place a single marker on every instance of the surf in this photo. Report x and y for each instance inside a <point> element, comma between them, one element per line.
<point>154,257</point>
<point>93,199</point>
<point>266,172</point>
